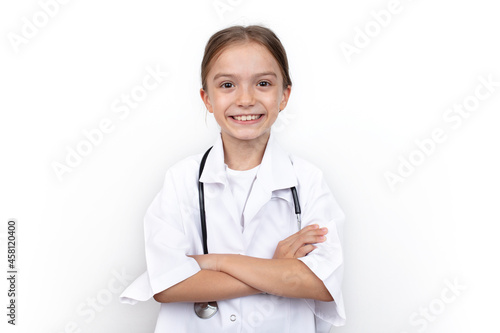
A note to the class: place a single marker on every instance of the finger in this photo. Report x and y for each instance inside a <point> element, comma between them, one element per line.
<point>307,232</point>
<point>304,250</point>
<point>309,227</point>
<point>312,231</point>
<point>310,234</point>
<point>299,245</point>
<point>303,231</point>
<point>313,227</point>
<point>315,232</point>
<point>311,237</point>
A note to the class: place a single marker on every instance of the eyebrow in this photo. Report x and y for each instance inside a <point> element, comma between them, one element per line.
<point>233,75</point>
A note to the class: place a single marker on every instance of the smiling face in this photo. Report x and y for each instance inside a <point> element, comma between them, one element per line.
<point>245,92</point>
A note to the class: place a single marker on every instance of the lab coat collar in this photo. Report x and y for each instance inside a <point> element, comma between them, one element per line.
<point>274,178</point>
<point>275,172</point>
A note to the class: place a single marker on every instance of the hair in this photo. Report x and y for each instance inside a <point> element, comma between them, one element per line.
<point>239,34</point>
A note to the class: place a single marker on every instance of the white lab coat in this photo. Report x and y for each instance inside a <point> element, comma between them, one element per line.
<point>172,231</point>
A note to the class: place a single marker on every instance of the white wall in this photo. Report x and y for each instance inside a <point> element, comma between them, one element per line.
<point>352,115</point>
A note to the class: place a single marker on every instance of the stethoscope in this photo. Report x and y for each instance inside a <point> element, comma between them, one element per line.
<point>207,310</point>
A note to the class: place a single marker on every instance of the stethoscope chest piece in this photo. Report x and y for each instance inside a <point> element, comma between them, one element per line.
<point>205,310</point>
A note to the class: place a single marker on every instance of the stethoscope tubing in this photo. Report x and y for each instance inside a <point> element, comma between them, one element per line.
<point>201,195</point>
<point>208,310</point>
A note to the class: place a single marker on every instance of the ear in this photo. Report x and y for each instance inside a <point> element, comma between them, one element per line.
<point>206,100</point>
<point>284,98</point>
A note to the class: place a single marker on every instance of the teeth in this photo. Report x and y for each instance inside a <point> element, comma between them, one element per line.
<point>245,118</point>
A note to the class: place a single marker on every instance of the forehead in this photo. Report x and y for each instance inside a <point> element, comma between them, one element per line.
<point>244,57</point>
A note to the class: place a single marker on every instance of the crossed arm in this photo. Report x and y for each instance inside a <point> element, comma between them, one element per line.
<point>225,276</point>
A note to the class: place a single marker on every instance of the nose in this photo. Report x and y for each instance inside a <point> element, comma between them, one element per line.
<point>246,96</point>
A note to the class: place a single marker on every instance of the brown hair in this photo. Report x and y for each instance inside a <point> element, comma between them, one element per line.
<point>237,34</point>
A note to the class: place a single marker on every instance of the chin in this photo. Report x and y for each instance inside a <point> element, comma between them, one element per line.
<point>246,136</point>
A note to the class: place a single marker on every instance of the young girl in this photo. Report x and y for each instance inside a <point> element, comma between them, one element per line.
<point>266,270</point>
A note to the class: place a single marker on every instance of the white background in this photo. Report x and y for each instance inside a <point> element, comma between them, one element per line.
<point>352,119</point>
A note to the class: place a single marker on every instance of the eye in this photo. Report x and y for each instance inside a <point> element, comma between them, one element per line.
<point>264,83</point>
<point>226,85</point>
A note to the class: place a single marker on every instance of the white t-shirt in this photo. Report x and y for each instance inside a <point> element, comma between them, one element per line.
<point>240,183</point>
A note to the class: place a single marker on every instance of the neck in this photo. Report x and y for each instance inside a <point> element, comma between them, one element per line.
<point>243,154</point>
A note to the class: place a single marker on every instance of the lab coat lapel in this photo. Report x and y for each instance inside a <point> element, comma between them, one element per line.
<point>215,182</point>
<point>275,172</point>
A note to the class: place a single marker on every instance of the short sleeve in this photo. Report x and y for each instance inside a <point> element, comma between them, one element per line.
<point>326,261</point>
<point>167,247</point>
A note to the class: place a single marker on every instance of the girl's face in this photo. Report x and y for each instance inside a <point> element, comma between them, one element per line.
<point>245,91</point>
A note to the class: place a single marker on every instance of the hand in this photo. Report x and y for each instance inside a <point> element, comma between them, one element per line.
<point>300,243</point>
<point>208,261</point>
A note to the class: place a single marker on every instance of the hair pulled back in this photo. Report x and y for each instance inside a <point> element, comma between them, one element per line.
<point>239,34</point>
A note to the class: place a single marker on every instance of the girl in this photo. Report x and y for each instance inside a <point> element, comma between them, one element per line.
<point>266,270</point>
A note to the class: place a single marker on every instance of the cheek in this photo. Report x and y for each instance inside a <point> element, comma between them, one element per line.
<point>220,101</point>
<point>271,102</point>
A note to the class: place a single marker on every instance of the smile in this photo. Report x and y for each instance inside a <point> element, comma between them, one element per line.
<point>245,118</point>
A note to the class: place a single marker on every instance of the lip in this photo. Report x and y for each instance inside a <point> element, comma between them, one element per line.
<point>247,122</point>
